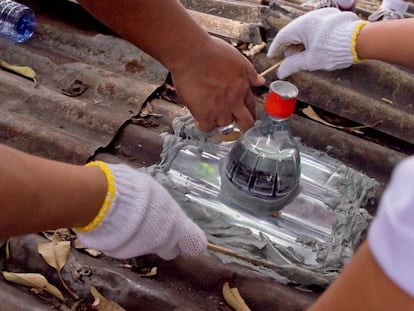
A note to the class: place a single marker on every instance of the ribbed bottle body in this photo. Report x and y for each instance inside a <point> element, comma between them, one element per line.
<point>262,170</point>
<point>265,163</point>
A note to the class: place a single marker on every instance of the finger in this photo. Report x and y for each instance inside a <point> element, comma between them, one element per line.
<point>224,119</point>
<point>193,241</point>
<point>167,253</point>
<point>288,35</point>
<point>254,78</point>
<point>292,64</point>
<point>250,102</point>
<point>274,48</point>
<point>204,125</point>
<point>283,39</point>
<point>242,115</point>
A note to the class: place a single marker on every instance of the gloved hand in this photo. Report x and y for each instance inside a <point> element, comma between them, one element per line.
<point>140,217</point>
<point>329,37</point>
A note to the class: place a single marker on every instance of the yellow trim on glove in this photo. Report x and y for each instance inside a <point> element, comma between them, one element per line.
<point>110,194</point>
<point>355,34</point>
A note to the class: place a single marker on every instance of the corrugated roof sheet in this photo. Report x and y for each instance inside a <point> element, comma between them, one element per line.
<point>92,86</point>
<point>88,86</point>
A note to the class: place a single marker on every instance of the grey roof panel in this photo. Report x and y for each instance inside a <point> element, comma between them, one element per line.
<point>91,88</point>
<point>88,86</point>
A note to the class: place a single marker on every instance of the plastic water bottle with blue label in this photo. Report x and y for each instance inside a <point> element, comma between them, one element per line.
<point>17,21</point>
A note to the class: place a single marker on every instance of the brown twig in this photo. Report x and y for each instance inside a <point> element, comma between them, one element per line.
<point>270,69</point>
<point>232,253</point>
<point>293,47</point>
<point>375,124</point>
<point>71,292</point>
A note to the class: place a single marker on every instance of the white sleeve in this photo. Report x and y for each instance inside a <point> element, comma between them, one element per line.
<point>391,235</point>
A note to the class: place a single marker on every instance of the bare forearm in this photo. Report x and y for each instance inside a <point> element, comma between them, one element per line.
<point>153,26</point>
<point>39,194</point>
<point>390,41</point>
<point>363,286</point>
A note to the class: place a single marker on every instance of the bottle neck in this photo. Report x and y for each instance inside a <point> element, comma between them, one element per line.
<point>274,124</point>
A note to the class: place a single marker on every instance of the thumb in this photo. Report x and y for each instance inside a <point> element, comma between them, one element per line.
<point>257,80</point>
<point>292,64</point>
<point>205,126</point>
<point>254,78</point>
<point>286,37</point>
<point>193,240</point>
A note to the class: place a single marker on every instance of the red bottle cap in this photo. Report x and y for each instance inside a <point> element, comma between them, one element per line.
<point>281,100</point>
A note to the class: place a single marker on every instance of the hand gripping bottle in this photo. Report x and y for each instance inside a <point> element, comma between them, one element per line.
<point>262,170</point>
<point>17,21</point>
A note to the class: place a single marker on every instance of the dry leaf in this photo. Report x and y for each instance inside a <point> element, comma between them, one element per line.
<point>62,234</point>
<point>56,254</point>
<point>24,71</point>
<point>387,100</point>
<point>8,250</point>
<point>49,234</point>
<point>35,280</point>
<point>93,252</point>
<point>145,111</point>
<point>169,87</point>
<point>125,265</point>
<point>152,272</point>
<point>254,49</point>
<point>309,112</point>
<point>103,304</point>
<point>233,298</point>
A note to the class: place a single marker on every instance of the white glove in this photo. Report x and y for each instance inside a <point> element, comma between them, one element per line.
<point>140,217</point>
<point>329,37</point>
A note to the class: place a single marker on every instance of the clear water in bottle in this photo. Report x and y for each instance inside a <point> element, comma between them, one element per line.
<point>263,169</point>
<point>17,21</point>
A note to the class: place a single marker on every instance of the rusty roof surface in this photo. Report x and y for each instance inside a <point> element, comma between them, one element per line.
<point>92,100</point>
<point>89,84</point>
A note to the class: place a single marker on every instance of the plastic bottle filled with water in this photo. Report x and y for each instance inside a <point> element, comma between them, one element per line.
<point>263,167</point>
<point>17,21</point>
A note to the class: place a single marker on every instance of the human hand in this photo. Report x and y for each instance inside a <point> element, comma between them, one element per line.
<point>142,218</point>
<point>215,85</point>
<point>329,37</point>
